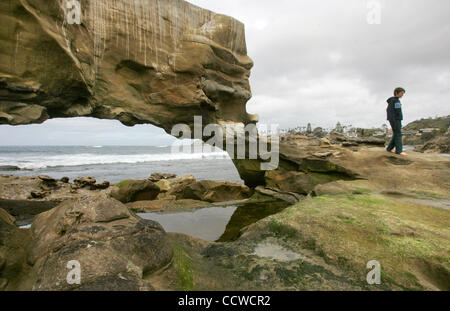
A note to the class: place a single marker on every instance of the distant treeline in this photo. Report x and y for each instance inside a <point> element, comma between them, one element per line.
<point>442,123</point>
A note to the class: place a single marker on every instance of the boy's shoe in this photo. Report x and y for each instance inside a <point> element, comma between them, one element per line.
<point>404,154</point>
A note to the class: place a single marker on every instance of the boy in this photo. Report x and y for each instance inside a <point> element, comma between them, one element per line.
<point>395,117</point>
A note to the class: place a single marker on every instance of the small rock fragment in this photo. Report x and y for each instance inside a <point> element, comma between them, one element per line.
<point>84,181</point>
<point>159,176</point>
<point>38,194</point>
<point>102,186</point>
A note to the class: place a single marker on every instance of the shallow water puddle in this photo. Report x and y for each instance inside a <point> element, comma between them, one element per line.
<point>276,252</point>
<point>207,223</point>
<point>222,224</point>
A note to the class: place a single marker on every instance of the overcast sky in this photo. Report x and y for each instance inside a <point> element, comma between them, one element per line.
<point>317,61</point>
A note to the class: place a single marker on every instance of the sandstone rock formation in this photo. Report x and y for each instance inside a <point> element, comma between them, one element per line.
<point>114,247</point>
<point>214,191</point>
<point>306,164</point>
<point>158,62</point>
<point>135,190</point>
<point>440,144</point>
<point>178,189</point>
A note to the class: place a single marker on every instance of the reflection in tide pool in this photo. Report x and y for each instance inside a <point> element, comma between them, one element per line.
<point>207,223</point>
<point>221,224</point>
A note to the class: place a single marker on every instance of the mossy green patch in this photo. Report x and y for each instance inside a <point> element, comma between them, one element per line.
<point>185,268</point>
<point>281,230</point>
<point>123,183</point>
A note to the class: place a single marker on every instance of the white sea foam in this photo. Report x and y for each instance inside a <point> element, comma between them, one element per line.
<point>39,162</point>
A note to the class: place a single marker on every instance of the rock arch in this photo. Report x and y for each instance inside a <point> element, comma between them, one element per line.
<point>158,62</point>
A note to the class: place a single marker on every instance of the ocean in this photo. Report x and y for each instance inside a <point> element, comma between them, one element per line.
<point>116,163</point>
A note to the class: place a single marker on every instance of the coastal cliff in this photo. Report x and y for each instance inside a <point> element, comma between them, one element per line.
<point>149,61</point>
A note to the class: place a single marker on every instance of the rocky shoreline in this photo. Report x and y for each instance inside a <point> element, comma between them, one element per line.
<point>167,69</point>
<point>342,213</point>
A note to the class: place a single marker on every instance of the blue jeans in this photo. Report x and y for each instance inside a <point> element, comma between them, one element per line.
<point>396,141</point>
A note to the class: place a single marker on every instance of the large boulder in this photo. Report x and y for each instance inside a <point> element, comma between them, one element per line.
<point>115,248</point>
<point>439,144</point>
<point>158,62</point>
<point>135,190</point>
<point>174,188</point>
<point>5,217</point>
<point>82,182</point>
<point>188,188</point>
<point>290,181</point>
<point>302,168</point>
<point>25,210</point>
<point>215,191</point>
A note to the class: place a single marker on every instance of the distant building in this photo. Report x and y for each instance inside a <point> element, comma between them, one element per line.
<point>352,132</point>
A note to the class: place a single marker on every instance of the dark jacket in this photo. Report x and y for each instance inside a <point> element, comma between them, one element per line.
<point>394,109</point>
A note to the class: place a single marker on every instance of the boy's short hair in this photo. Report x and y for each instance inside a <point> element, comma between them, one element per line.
<point>399,90</point>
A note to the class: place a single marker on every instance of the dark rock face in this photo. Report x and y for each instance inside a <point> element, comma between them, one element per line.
<point>189,188</point>
<point>182,188</point>
<point>7,168</point>
<point>213,191</point>
<point>38,194</point>
<point>303,168</point>
<point>24,210</point>
<point>101,186</point>
<point>135,190</point>
<point>84,182</point>
<point>440,144</point>
<point>114,248</point>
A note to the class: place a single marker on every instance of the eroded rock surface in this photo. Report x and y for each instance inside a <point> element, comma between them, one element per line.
<point>135,190</point>
<point>158,62</point>
<point>114,247</point>
<point>145,61</point>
